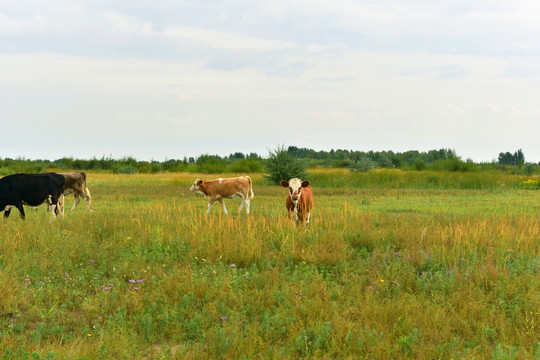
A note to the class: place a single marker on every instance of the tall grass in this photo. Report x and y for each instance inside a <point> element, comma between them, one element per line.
<point>380,273</point>
<point>399,179</point>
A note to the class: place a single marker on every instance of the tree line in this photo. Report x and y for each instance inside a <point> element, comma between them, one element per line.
<point>238,162</point>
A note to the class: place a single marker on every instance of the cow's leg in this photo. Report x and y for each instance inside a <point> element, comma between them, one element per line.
<point>88,202</point>
<point>7,211</point>
<point>77,199</point>
<point>52,206</point>
<point>61,203</point>
<point>21,211</point>
<point>247,206</point>
<point>223,205</point>
<point>242,204</point>
<point>88,199</point>
<point>210,202</point>
<point>307,218</point>
<point>291,213</point>
<point>296,215</point>
<point>245,201</point>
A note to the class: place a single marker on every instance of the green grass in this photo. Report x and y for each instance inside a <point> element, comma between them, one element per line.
<point>409,271</point>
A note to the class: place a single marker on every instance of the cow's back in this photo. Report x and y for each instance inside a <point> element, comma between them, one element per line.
<point>227,186</point>
<point>31,189</point>
<point>74,179</point>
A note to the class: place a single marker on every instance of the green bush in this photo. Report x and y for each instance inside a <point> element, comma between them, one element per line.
<point>530,169</point>
<point>211,164</point>
<point>453,165</point>
<point>282,166</point>
<point>246,166</point>
<point>125,169</point>
<point>363,164</point>
<point>419,165</point>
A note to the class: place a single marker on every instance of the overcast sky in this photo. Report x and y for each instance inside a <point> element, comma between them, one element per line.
<point>167,79</point>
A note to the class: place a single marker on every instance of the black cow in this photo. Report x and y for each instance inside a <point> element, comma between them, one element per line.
<point>30,189</point>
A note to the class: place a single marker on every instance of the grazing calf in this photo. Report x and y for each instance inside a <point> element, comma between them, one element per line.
<point>225,188</point>
<point>31,189</point>
<point>76,185</point>
<point>299,200</point>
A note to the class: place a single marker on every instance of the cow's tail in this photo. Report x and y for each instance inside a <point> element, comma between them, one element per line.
<point>251,194</point>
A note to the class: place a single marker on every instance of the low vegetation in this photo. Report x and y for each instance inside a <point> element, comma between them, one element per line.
<point>290,159</point>
<point>395,265</point>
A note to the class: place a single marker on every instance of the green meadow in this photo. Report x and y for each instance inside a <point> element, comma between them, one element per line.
<point>394,265</point>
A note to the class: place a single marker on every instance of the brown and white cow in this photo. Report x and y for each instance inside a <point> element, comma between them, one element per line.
<point>225,188</point>
<point>299,199</point>
<point>76,185</point>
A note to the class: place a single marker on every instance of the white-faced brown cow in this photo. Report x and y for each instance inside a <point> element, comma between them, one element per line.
<point>76,185</point>
<point>299,200</point>
<point>225,188</point>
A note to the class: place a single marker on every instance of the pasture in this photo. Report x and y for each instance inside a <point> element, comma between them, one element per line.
<point>394,265</point>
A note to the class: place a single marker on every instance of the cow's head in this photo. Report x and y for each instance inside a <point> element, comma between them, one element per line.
<point>295,187</point>
<point>195,186</point>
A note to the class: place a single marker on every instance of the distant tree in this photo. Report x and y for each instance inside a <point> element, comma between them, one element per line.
<point>384,161</point>
<point>517,158</point>
<point>280,165</point>
<point>237,156</point>
<point>396,161</point>
<point>293,151</point>
<point>211,164</point>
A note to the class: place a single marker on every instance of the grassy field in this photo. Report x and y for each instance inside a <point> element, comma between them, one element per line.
<point>411,265</point>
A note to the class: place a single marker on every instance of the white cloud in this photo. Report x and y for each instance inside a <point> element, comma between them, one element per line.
<point>222,40</point>
<point>338,118</point>
<point>10,26</point>
<point>198,36</point>
<point>129,24</point>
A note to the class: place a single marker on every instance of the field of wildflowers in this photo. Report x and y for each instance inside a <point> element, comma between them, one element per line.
<point>394,265</point>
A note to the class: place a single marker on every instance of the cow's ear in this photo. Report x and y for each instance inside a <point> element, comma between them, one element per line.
<point>284,183</point>
<point>305,183</point>
<point>199,182</point>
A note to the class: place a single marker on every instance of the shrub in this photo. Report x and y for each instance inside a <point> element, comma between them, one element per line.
<point>529,169</point>
<point>247,166</point>
<point>211,164</point>
<point>454,165</point>
<point>384,161</point>
<point>420,165</point>
<point>342,163</point>
<point>125,169</point>
<point>363,164</point>
<point>149,168</point>
<point>282,166</point>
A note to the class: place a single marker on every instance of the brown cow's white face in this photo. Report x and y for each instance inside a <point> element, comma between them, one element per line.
<point>195,186</point>
<point>295,188</point>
